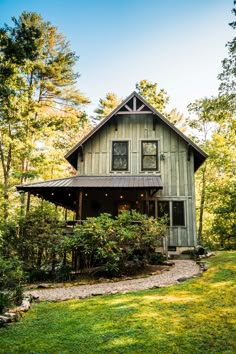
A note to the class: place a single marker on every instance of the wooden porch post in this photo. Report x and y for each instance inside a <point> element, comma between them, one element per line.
<point>79,206</point>
<point>28,203</point>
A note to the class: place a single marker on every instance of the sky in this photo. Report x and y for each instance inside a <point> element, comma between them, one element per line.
<point>177,43</point>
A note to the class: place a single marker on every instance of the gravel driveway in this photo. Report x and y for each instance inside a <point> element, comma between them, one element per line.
<point>182,269</point>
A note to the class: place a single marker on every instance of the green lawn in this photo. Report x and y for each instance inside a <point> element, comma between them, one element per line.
<point>197,316</point>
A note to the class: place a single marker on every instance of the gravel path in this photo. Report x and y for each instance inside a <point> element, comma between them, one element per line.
<point>181,269</point>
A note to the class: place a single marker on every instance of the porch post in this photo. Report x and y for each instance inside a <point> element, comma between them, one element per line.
<point>79,202</point>
<point>28,203</point>
<point>65,215</point>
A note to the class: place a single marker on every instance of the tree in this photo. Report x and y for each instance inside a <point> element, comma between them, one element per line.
<point>178,120</point>
<point>214,126</point>
<point>37,92</point>
<point>149,91</point>
<point>228,76</point>
<point>107,105</point>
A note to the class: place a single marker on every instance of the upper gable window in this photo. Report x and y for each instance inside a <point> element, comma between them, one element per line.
<point>120,155</point>
<point>149,155</point>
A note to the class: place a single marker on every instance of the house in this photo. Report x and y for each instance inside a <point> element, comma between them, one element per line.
<point>134,159</point>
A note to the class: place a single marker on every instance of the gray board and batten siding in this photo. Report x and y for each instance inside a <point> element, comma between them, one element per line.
<point>176,164</point>
<point>134,122</point>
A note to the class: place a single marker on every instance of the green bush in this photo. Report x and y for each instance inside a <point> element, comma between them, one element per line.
<point>40,242</point>
<point>156,258</point>
<point>117,244</point>
<point>11,279</point>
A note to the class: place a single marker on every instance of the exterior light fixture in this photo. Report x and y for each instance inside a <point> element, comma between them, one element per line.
<point>106,195</point>
<point>162,157</point>
<point>121,197</point>
<point>86,194</point>
<point>141,195</point>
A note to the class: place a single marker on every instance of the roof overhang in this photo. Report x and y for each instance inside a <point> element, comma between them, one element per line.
<point>63,191</point>
<point>199,154</point>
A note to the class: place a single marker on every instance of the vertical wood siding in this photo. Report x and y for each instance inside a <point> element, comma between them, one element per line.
<point>177,173</point>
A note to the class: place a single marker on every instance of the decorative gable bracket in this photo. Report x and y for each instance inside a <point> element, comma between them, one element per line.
<point>135,106</point>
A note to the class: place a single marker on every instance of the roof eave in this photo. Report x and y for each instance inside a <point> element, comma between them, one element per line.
<point>70,155</point>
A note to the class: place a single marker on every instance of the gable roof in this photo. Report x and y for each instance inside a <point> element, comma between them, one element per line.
<point>136,104</point>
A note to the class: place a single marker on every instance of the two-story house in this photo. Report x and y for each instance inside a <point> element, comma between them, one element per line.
<point>134,159</point>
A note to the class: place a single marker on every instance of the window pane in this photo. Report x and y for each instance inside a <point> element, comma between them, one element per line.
<point>149,162</point>
<point>178,213</point>
<point>164,210</point>
<point>120,163</point>
<point>120,148</point>
<point>149,155</point>
<point>149,148</point>
<point>120,155</point>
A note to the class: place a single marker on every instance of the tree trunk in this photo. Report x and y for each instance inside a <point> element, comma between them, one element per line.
<point>202,204</point>
<point>6,166</point>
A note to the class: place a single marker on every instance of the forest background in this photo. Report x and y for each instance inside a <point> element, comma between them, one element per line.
<point>43,114</point>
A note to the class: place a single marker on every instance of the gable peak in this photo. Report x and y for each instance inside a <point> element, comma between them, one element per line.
<point>134,104</point>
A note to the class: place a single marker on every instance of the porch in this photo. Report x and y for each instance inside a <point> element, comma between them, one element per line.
<point>89,196</point>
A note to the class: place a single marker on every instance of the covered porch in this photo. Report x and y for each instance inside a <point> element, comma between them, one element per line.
<point>89,196</point>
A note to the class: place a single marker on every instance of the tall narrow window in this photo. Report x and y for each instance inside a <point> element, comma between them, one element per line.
<point>164,210</point>
<point>178,213</point>
<point>149,156</point>
<point>120,155</point>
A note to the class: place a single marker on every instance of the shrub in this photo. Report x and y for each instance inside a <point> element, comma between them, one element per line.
<point>40,242</point>
<point>118,244</point>
<point>11,278</point>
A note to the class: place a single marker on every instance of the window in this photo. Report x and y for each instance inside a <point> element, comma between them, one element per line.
<point>120,155</point>
<point>174,210</point>
<point>149,155</point>
<point>178,213</point>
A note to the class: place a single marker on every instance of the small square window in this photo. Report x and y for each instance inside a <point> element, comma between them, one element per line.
<point>120,155</point>
<point>149,155</point>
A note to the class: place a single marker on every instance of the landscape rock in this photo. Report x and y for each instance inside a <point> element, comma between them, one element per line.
<point>168,263</point>
<point>180,280</point>
<point>4,320</point>
<point>181,268</point>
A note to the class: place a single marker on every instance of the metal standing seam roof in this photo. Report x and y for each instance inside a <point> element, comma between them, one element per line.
<point>98,182</point>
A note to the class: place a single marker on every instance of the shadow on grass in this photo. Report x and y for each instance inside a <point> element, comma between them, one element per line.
<point>195,316</point>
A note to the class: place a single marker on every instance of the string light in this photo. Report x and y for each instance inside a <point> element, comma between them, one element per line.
<point>141,195</point>
<point>121,196</point>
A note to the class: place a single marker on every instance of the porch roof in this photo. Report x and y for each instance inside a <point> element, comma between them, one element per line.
<point>82,182</point>
<point>64,191</point>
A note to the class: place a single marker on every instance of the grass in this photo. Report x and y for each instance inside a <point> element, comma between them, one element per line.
<point>197,316</point>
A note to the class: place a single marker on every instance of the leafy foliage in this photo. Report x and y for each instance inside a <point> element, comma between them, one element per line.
<point>149,90</point>
<point>11,279</point>
<point>107,105</point>
<point>119,245</point>
<point>41,234</point>
<point>37,96</point>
